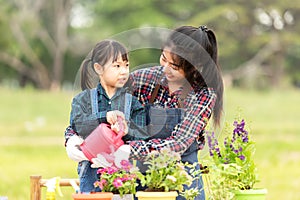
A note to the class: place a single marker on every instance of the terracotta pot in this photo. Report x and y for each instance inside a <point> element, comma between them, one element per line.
<point>124,197</point>
<point>93,196</point>
<point>252,194</point>
<point>156,195</point>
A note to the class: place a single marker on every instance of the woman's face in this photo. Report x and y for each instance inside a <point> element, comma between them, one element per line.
<point>172,70</point>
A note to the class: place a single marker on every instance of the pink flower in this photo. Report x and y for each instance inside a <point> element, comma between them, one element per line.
<point>100,183</point>
<point>125,177</point>
<point>101,171</point>
<point>126,165</point>
<point>111,170</point>
<point>118,182</point>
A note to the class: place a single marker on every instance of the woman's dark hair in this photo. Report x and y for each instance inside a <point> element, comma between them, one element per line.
<point>195,51</point>
<point>102,53</point>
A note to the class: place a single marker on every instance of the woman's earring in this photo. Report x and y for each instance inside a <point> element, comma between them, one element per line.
<point>201,69</point>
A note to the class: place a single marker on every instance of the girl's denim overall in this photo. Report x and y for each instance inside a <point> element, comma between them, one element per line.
<point>88,175</point>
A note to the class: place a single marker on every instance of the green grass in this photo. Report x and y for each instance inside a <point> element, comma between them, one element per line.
<point>32,125</point>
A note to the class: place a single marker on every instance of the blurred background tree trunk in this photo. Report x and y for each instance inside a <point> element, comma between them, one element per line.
<point>39,31</point>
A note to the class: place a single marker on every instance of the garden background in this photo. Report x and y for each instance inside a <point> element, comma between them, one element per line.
<point>42,45</point>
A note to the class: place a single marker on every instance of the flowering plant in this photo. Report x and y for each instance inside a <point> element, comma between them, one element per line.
<point>167,173</point>
<point>232,162</point>
<point>119,180</point>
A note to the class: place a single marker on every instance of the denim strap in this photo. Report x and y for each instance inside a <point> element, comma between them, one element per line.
<point>128,100</point>
<point>94,101</point>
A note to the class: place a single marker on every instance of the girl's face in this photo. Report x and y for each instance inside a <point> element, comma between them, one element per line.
<point>114,74</point>
<point>172,71</point>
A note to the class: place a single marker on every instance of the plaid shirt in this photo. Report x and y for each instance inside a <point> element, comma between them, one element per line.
<point>198,104</point>
<point>105,104</point>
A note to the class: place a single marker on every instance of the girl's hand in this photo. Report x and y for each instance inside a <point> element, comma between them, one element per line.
<point>120,126</point>
<point>72,148</point>
<point>112,116</point>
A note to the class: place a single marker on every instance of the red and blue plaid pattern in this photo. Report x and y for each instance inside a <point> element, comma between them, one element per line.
<point>199,105</point>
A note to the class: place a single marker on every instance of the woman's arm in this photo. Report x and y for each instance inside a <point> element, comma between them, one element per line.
<point>200,106</point>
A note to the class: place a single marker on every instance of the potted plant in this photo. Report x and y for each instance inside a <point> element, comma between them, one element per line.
<point>232,169</point>
<point>166,176</point>
<point>121,182</point>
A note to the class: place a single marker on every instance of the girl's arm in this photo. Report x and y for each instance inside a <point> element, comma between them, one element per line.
<point>137,125</point>
<point>69,132</point>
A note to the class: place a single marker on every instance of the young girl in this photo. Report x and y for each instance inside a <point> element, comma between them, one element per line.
<point>110,65</point>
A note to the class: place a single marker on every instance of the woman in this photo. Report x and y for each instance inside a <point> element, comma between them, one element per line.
<point>189,78</point>
<point>189,71</point>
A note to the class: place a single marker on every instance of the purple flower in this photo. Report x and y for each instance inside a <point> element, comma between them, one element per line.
<point>210,137</point>
<point>211,153</point>
<point>231,147</point>
<point>242,157</point>
<point>218,152</point>
<point>209,141</point>
<point>239,128</point>
<point>245,139</point>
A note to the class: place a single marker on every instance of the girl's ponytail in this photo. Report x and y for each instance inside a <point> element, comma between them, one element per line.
<point>88,75</point>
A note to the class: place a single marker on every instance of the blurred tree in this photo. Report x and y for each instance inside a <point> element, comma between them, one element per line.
<point>263,33</point>
<point>256,39</point>
<point>38,40</point>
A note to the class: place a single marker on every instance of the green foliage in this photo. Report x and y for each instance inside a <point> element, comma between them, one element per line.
<point>167,173</point>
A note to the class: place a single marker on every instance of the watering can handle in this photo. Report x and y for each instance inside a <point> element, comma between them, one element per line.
<point>121,129</point>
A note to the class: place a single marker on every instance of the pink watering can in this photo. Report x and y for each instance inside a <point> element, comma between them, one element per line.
<point>103,140</point>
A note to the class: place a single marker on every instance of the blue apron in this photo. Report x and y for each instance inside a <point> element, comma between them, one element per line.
<point>160,123</point>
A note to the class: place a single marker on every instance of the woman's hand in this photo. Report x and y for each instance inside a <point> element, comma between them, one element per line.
<point>115,158</point>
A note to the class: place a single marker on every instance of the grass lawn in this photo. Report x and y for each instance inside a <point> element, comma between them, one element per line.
<point>32,125</point>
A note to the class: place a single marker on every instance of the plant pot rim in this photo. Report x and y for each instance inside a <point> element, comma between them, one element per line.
<point>156,194</point>
<point>252,191</point>
<point>96,195</point>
